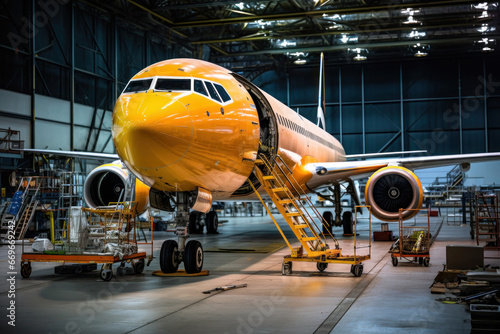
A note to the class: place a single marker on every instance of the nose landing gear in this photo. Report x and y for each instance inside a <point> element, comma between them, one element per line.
<point>173,252</point>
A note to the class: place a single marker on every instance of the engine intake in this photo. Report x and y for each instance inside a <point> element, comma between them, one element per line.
<point>106,183</point>
<point>392,188</point>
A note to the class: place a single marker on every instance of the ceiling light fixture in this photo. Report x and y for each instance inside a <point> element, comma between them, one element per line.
<point>416,34</point>
<point>419,54</point>
<point>411,20</point>
<point>300,62</point>
<point>359,57</point>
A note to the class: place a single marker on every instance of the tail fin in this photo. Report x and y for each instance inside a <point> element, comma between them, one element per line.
<point>321,94</point>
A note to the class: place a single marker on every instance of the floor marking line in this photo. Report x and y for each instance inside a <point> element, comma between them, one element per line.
<point>333,319</point>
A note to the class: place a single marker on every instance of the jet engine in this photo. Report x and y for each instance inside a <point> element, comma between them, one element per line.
<point>110,182</point>
<point>392,188</point>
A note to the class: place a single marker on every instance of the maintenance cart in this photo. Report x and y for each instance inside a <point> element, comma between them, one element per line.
<point>414,239</point>
<point>105,235</point>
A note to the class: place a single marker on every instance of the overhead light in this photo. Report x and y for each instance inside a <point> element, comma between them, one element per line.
<point>487,49</point>
<point>297,54</point>
<point>240,5</point>
<point>483,15</point>
<point>359,57</point>
<point>481,5</point>
<point>300,62</point>
<point>411,20</point>
<point>419,54</point>
<point>416,34</point>
<point>486,28</point>
<point>345,39</point>
<point>420,50</point>
<point>285,43</point>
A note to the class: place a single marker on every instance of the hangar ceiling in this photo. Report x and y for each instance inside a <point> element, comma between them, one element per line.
<point>249,34</point>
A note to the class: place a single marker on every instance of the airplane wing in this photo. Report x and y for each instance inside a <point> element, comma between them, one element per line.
<point>333,172</point>
<point>76,154</point>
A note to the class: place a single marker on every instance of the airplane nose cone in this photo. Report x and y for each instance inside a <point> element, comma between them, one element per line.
<point>151,131</point>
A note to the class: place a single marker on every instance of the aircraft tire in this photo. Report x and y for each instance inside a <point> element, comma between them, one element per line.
<point>169,257</point>
<point>328,217</point>
<point>195,226</point>
<point>193,257</point>
<point>347,222</point>
<point>212,222</point>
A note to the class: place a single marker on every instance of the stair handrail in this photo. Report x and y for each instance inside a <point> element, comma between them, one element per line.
<point>302,195</point>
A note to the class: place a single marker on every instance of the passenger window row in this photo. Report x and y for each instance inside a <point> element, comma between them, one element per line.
<point>303,131</point>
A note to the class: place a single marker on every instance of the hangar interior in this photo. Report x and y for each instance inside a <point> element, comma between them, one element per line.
<point>399,76</point>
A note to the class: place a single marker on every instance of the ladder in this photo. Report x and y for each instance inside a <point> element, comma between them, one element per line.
<point>28,207</point>
<point>296,208</point>
<point>70,195</point>
<point>487,221</point>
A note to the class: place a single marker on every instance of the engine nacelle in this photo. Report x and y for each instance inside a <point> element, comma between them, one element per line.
<point>106,183</point>
<point>392,188</point>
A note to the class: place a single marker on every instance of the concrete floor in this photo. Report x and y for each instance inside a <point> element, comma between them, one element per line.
<point>384,299</point>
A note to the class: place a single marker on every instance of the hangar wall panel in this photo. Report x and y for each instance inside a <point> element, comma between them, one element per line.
<point>52,135</point>
<point>15,103</point>
<point>445,106</point>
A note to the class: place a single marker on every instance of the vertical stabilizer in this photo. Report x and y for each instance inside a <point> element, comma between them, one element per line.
<point>321,94</point>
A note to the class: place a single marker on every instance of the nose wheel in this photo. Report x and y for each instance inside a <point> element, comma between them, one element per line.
<point>172,252</point>
<point>170,257</point>
<point>193,257</point>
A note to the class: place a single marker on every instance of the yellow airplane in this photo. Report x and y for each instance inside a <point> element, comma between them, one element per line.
<point>191,133</point>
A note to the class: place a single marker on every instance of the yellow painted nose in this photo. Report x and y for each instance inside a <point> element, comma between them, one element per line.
<point>151,130</point>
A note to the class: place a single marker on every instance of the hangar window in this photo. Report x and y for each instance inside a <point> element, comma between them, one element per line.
<point>212,92</point>
<point>171,85</point>
<point>222,93</point>
<point>199,87</point>
<point>138,86</point>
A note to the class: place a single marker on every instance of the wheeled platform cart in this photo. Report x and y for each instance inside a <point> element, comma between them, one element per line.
<point>105,235</point>
<point>106,273</point>
<point>413,244</point>
<point>334,255</point>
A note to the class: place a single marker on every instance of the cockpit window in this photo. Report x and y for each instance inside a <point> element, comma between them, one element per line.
<point>138,86</point>
<point>222,93</point>
<point>211,90</point>
<point>199,87</point>
<point>173,84</point>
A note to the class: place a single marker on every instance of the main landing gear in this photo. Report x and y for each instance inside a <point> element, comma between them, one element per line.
<point>173,252</point>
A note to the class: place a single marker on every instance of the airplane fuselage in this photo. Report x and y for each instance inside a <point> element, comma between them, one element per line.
<point>183,123</point>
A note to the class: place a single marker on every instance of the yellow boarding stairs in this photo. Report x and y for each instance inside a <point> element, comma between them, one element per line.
<point>302,217</point>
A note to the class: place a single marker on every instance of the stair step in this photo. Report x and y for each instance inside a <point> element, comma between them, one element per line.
<point>301,226</point>
<point>293,214</point>
<point>285,201</point>
<point>268,177</point>
<point>309,239</point>
<point>277,190</point>
<point>258,162</point>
